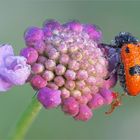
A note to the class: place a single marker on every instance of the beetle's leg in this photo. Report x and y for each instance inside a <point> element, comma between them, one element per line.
<point>113,71</point>
<point>114,104</point>
<point>111,74</point>
<point>116,65</point>
<point>117,102</point>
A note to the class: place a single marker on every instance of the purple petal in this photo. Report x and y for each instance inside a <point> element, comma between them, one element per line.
<point>5,50</point>
<point>16,71</point>
<point>4,85</point>
<point>13,69</point>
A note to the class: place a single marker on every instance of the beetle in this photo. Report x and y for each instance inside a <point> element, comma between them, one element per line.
<point>130,61</point>
<point>127,68</point>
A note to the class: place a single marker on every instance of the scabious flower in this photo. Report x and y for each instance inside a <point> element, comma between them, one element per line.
<point>13,69</point>
<point>68,67</point>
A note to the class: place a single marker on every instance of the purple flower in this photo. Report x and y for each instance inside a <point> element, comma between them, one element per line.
<point>13,69</point>
<point>69,60</point>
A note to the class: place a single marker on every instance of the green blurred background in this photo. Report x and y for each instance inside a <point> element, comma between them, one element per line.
<point>112,17</point>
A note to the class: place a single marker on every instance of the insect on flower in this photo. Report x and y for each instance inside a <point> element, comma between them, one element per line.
<point>128,66</point>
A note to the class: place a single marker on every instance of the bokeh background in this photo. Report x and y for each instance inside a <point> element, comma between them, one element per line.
<point>112,17</point>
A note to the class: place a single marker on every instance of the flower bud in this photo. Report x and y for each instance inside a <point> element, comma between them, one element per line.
<point>73,49</point>
<point>82,99</point>
<point>52,85</point>
<point>48,75</point>
<point>84,114</point>
<point>38,82</point>
<point>91,80</point>
<point>33,35</point>
<point>40,47</point>
<point>73,65</point>
<point>75,26</point>
<point>59,81</point>
<point>80,84</point>
<point>64,59</point>
<point>62,48</point>
<point>107,95</point>
<point>96,101</point>
<point>50,64</point>
<point>77,56</point>
<point>70,75</point>
<point>70,85</point>
<point>65,93</point>
<point>76,93</point>
<point>41,59</point>
<point>70,106</point>
<point>49,98</point>
<point>60,69</point>
<point>93,31</point>
<point>47,49</point>
<point>86,90</point>
<point>30,54</point>
<point>37,68</point>
<point>51,24</point>
<point>82,75</point>
<point>53,54</point>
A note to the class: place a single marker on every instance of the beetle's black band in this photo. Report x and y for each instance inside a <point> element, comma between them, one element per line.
<point>135,70</point>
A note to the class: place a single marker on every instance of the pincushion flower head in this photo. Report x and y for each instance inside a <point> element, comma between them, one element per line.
<point>68,68</point>
<point>13,69</point>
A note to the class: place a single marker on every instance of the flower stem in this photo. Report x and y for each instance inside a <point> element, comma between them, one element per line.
<point>26,120</point>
